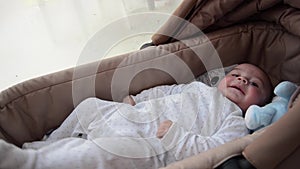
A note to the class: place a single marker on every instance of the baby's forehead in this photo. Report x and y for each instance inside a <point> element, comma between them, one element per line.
<point>251,71</point>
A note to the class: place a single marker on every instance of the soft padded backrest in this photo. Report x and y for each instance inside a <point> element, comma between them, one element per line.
<point>209,16</point>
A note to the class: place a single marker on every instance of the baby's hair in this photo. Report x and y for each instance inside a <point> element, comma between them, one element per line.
<point>271,87</point>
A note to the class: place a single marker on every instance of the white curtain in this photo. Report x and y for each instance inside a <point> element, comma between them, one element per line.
<point>43,36</point>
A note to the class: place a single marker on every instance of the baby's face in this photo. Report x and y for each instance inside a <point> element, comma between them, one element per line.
<point>246,85</point>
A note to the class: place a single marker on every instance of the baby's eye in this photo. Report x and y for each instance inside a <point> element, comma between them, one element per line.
<point>254,84</point>
<point>235,75</point>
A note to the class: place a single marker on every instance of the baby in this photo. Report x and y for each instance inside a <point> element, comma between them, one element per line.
<point>160,126</point>
<point>245,85</point>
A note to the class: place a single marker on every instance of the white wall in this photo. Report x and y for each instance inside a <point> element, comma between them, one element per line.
<point>38,37</point>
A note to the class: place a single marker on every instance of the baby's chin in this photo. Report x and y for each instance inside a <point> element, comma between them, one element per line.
<point>235,99</point>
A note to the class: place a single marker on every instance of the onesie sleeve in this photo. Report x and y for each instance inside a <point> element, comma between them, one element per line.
<point>158,92</point>
<point>188,143</point>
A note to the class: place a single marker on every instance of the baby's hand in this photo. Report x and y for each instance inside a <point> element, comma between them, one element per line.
<point>129,100</point>
<point>163,128</point>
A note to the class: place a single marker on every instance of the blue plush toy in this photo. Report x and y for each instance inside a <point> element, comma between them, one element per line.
<point>258,117</point>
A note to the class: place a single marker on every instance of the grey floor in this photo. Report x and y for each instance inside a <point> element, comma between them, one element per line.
<point>39,37</point>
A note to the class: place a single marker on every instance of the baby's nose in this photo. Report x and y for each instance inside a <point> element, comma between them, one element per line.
<point>242,79</point>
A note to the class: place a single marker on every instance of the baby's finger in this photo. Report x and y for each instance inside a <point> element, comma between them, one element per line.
<point>161,132</point>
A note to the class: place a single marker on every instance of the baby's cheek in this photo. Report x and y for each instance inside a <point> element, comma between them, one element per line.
<point>257,96</point>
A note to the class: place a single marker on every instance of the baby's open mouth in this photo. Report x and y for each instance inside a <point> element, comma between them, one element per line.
<point>239,89</point>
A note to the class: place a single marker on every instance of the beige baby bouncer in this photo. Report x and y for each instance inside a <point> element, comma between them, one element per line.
<point>265,33</point>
